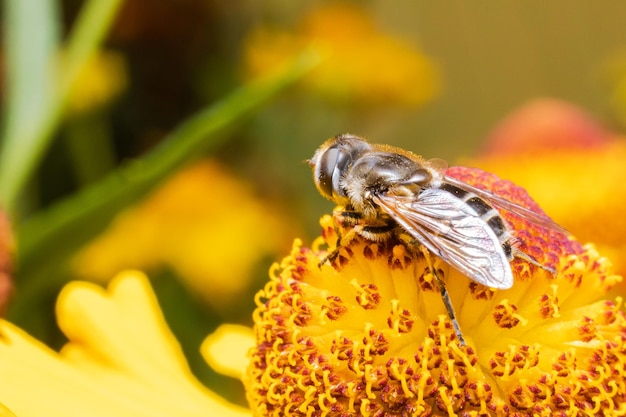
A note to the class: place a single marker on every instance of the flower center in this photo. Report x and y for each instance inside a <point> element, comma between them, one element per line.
<point>368,334</point>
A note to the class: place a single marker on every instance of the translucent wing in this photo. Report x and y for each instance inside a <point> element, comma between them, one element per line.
<point>450,229</point>
<point>499,202</point>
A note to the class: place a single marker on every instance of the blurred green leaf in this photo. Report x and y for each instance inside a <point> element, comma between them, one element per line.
<point>31,44</point>
<point>48,240</point>
<point>39,82</point>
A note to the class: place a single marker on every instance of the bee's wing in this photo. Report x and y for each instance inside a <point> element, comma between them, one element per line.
<point>451,230</point>
<point>499,202</point>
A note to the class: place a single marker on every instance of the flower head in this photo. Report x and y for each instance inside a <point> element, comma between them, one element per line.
<point>368,334</point>
<point>362,66</point>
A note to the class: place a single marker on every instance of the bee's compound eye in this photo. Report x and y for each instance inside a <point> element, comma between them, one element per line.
<point>327,172</point>
<point>331,163</point>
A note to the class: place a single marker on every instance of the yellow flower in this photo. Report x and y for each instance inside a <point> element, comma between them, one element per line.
<point>362,66</point>
<point>572,167</point>
<point>103,78</point>
<point>121,360</point>
<point>194,224</point>
<point>368,334</point>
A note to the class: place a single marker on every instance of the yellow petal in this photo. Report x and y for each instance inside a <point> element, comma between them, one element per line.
<point>226,349</point>
<point>121,359</point>
<point>5,412</point>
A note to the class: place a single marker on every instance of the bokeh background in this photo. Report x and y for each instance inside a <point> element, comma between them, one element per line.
<point>432,77</point>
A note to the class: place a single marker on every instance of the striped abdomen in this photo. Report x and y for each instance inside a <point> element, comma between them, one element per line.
<point>487,213</point>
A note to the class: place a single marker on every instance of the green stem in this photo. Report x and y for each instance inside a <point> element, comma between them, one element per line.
<point>48,240</point>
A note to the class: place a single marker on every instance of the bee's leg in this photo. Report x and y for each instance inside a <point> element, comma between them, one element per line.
<point>444,295</point>
<point>342,240</point>
<point>345,217</point>
<point>516,253</point>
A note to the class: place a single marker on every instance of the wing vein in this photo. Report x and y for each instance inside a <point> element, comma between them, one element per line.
<point>450,229</point>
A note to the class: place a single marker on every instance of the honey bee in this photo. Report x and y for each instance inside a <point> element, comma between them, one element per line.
<point>384,191</point>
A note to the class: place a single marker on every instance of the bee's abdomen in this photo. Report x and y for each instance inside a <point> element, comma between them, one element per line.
<point>486,212</point>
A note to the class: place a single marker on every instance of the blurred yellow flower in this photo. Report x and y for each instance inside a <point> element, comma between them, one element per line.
<point>572,166</point>
<point>368,334</point>
<point>203,223</point>
<point>363,66</point>
<point>103,78</point>
<point>121,360</point>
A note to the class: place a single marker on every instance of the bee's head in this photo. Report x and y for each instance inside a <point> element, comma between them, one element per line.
<point>332,161</point>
